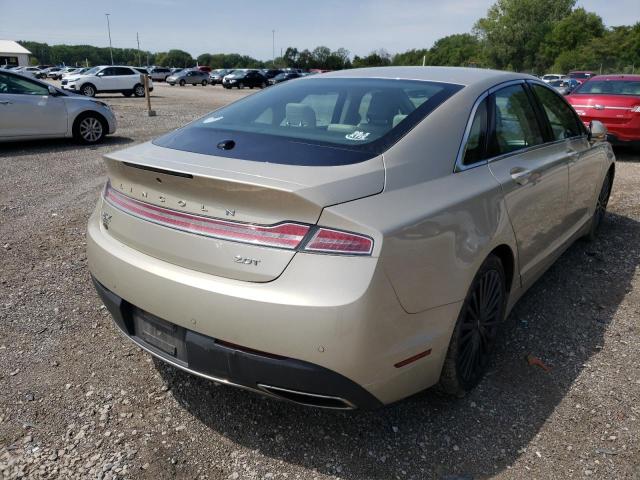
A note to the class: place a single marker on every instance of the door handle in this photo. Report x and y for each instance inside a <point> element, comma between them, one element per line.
<point>520,175</point>
<point>572,156</point>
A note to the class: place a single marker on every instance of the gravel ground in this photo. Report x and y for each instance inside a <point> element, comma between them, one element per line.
<point>79,401</point>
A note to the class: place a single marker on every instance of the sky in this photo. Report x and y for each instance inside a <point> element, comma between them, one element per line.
<point>213,26</point>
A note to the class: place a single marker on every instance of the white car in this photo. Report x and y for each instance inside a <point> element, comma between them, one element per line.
<point>550,77</point>
<point>31,109</point>
<point>107,79</point>
<point>76,72</point>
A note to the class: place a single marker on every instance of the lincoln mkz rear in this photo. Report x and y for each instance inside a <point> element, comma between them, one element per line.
<point>349,239</point>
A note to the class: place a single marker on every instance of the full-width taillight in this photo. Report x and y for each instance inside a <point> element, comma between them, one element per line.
<point>282,235</point>
<point>287,235</point>
<point>335,241</point>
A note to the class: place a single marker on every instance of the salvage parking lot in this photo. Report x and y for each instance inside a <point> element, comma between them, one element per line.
<point>80,401</point>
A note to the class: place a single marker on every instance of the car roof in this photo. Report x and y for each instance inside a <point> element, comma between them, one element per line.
<point>458,75</point>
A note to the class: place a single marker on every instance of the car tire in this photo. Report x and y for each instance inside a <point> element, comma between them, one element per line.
<point>182,83</point>
<point>138,90</point>
<point>127,94</point>
<point>601,208</point>
<point>476,329</point>
<point>204,83</point>
<point>263,85</point>
<point>89,128</point>
<point>88,90</point>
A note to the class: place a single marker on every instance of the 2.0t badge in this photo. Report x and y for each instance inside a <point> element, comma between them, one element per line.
<point>246,260</point>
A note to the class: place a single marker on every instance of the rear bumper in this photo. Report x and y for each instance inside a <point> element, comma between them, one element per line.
<point>330,314</point>
<point>281,377</point>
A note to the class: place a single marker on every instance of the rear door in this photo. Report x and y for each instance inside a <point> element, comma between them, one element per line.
<point>27,109</point>
<point>585,162</point>
<point>533,174</point>
<point>127,78</point>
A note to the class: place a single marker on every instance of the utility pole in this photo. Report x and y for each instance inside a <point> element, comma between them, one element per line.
<point>138,39</point>
<point>273,49</point>
<point>109,30</point>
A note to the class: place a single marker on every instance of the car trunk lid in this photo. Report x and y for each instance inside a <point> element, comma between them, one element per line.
<point>613,109</point>
<point>202,211</point>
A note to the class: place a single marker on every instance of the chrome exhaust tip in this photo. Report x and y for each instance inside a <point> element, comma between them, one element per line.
<point>308,399</point>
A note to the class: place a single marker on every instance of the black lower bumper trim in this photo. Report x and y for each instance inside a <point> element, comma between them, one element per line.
<point>287,378</point>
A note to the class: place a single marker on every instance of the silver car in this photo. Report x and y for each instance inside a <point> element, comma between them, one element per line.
<point>347,239</point>
<point>192,77</point>
<point>30,109</point>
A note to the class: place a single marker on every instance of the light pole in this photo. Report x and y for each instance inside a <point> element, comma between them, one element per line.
<point>273,49</point>
<point>109,30</point>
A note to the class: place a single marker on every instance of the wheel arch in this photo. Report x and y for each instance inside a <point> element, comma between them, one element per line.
<point>507,258</point>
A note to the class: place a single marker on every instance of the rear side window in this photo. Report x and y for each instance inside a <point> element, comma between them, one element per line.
<point>562,120</point>
<point>515,125</point>
<point>474,150</point>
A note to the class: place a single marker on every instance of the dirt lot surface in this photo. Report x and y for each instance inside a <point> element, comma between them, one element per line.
<point>79,401</point>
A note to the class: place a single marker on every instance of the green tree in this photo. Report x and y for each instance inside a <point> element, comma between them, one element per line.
<point>460,50</point>
<point>514,30</point>
<point>570,33</point>
<point>378,58</point>
<point>410,57</point>
<point>175,58</point>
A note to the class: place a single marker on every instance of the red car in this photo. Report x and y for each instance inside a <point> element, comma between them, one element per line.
<point>615,101</point>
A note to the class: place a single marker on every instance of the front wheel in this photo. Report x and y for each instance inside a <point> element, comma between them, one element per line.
<point>89,129</point>
<point>601,208</point>
<point>475,332</point>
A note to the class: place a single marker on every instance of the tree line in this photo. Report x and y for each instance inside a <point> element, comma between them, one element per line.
<point>533,36</point>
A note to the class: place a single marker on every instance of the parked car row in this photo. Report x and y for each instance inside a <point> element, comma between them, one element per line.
<point>579,75</point>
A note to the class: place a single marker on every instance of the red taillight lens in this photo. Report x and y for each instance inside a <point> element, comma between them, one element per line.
<point>326,240</point>
<point>283,235</point>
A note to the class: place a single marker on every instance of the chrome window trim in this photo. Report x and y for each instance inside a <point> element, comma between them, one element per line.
<point>459,166</point>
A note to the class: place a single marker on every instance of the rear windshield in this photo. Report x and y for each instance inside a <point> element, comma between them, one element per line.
<point>363,116</point>
<point>611,87</point>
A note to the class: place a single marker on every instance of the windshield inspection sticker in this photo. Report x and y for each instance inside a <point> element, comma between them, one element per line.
<point>212,119</point>
<point>357,135</point>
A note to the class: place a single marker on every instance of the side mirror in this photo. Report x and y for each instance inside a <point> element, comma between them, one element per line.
<point>597,131</point>
<point>53,91</point>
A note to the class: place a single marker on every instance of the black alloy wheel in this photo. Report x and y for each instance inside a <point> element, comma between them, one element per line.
<point>475,332</point>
